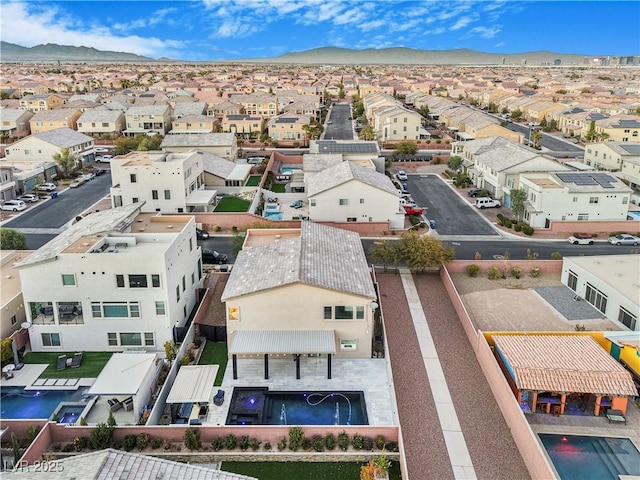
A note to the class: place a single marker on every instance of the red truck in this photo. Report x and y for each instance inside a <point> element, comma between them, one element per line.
<point>412,209</point>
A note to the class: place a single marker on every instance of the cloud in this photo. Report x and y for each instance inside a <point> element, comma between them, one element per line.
<point>461,23</point>
<point>485,32</point>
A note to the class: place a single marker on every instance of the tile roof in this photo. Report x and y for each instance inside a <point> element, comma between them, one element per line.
<point>198,140</point>
<point>218,166</point>
<point>63,137</point>
<point>345,172</point>
<point>321,256</point>
<point>564,363</point>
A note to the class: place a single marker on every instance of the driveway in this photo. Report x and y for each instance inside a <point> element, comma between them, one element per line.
<point>453,215</point>
<point>340,128</point>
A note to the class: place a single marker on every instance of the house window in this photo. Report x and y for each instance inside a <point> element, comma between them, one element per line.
<point>160,310</point>
<point>234,313</point>
<point>352,219</point>
<point>167,194</point>
<point>343,312</point>
<point>343,201</point>
<point>627,318</point>
<point>583,217</point>
<point>154,194</point>
<point>14,320</point>
<point>130,339</point>
<point>362,200</point>
<point>115,309</point>
<point>594,199</point>
<point>50,339</point>
<point>155,280</point>
<point>348,344</point>
<point>177,293</point>
<point>575,199</point>
<point>191,244</point>
<point>134,308</point>
<point>96,310</point>
<point>596,298</point>
<point>184,284</point>
<point>625,200</point>
<point>360,313</point>
<point>120,281</point>
<point>134,200</point>
<point>133,178</point>
<point>149,341</point>
<point>312,202</point>
<point>137,281</point>
<point>112,339</point>
<point>68,280</point>
<point>572,280</point>
<point>328,313</point>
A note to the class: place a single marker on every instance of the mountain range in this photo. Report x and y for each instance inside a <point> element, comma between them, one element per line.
<point>52,52</point>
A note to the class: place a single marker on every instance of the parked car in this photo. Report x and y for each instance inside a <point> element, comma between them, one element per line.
<point>13,205</point>
<point>297,204</point>
<point>624,239</point>
<point>201,234</point>
<point>211,256</point>
<point>101,150</point>
<point>29,198</point>
<point>478,192</point>
<point>581,239</point>
<point>76,182</point>
<point>88,176</point>
<point>486,202</point>
<point>104,158</point>
<point>402,176</point>
<point>412,209</point>
<point>45,187</point>
<point>98,172</point>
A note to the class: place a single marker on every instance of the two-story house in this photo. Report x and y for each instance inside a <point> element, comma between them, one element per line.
<point>148,119</point>
<point>193,124</point>
<point>395,122</point>
<point>43,101</point>
<point>116,279</point>
<point>243,125</point>
<point>620,157</point>
<point>46,120</point>
<point>101,121</point>
<point>221,144</point>
<point>288,126</point>
<point>15,122</point>
<point>11,301</point>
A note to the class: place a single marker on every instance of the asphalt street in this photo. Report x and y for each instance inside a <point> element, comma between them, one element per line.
<point>556,146</point>
<point>340,127</point>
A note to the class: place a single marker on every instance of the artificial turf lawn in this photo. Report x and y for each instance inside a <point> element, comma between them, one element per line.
<point>278,188</point>
<point>232,204</point>
<point>215,353</point>
<point>254,181</point>
<point>91,366</point>
<point>302,470</point>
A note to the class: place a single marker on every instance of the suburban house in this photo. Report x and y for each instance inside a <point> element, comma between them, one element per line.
<point>571,196</point>
<point>306,293</point>
<point>116,279</point>
<point>46,120</point>
<point>219,171</point>
<point>468,124</point>
<point>348,192</point>
<point>609,283</point>
<point>42,146</point>
<point>43,101</point>
<point>620,157</point>
<point>11,302</point>
<point>22,176</point>
<point>7,182</point>
<point>353,150</point>
<point>263,104</point>
<point>148,119</point>
<point>392,123</point>
<point>220,144</point>
<point>193,124</point>
<point>243,125</point>
<point>15,122</point>
<point>619,128</point>
<point>101,121</point>
<point>224,108</point>
<point>288,126</point>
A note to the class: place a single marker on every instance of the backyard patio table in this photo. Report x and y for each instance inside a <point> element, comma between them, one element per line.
<point>548,401</point>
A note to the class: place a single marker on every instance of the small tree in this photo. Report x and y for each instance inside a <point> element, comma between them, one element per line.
<point>65,160</point>
<point>111,420</point>
<point>192,438</point>
<point>404,149</point>
<point>6,352</point>
<point>12,239</point>
<point>422,252</point>
<point>591,135</point>
<point>385,252</point>
<point>454,163</point>
<point>170,350</point>
<point>517,198</point>
<point>101,436</point>
<point>296,438</point>
<point>15,446</point>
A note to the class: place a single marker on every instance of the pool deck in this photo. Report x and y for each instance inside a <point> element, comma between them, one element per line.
<point>28,377</point>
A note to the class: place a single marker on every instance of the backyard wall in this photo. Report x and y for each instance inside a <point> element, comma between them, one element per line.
<point>602,229</point>
<point>545,266</point>
<point>532,454</point>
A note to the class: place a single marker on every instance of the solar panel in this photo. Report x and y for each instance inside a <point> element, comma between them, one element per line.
<point>588,178</point>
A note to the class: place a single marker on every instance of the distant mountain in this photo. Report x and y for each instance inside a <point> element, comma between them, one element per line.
<point>51,52</point>
<point>410,56</point>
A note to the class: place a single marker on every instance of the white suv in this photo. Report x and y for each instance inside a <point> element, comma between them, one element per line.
<point>486,202</point>
<point>45,187</point>
<point>13,205</point>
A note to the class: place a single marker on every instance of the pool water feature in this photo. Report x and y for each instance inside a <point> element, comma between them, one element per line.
<point>69,413</point>
<point>259,406</point>
<point>578,457</point>
<point>274,215</point>
<point>16,402</point>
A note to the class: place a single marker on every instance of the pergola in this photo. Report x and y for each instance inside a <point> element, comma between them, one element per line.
<point>562,365</point>
<point>282,342</point>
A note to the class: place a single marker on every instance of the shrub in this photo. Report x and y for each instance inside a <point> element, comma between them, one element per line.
<point>111,420</point>
<point>267,446</point>
<point>218,228</point>
<point>83,422</point>
<point>500,217</point>
<point>167,445</point>
<point>255,444</point>
<point>218,444</point>
<point>68,448</point>
<point>531,255</point>
<point>380,441</point>
<point>527,229</point>
<point>330,441</point>
<point>317,443</point>
<point>493,273</point>
<point>515,272</point>
<point>367,443</point>
<point>296,438</point>
<point>32,433</point>
<point>192,438</point>
<point>282,444</point>
<point>142,440</point>
<point>56,447</point>
<point>170,350</point>
<point>129,442</point>
<point>356,442</point>
<point>343,441</point>
<point>507,223</point>
<point>230,442</point>
<point>517,227</point>
<point>535,272</point>
<point>80,443</point>
<point>234,229</point>
<point>556,256</point>
<point>243,443</point>
<point>391,447</point>
<point>101,436</point>
<point>156,443</point>
<point>473,270</point>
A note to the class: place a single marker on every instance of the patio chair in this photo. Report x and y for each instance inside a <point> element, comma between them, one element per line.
<point>127,403</point>
<point>76,360</point>
<point>219,398</point>
<point>114,404</point>
<point>62,362</point>
<point>616,416</point>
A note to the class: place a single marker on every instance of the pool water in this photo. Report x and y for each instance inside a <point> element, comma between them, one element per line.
<point>273,215</point>
<point>16,402</point>
<point>286,171</point>
<point>271,208</point>
<point>260,406</point>
<point>591,458</point>
<point>70,413</point>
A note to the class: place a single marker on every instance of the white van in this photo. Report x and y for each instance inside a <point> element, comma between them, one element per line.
<point>104,159</point>
<point>486,202</point>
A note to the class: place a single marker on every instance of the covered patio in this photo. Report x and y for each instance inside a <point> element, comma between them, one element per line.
<point>282,343</point>
<point>192,393</point>
<point>201,200</point>
<point>563,374</point>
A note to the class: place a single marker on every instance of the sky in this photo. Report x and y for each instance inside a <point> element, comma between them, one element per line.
<point>201,30</point>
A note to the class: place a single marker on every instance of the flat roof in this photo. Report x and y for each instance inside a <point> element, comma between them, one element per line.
<point>246,342</point>
<point>194,383</point>
<point>123,374</point>
<point>263,236</point>
<point>11,286</point>
<point>201,197</point>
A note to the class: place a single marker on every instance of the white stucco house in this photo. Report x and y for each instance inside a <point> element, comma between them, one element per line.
<point>609,283</point>
<point>116,279</point>
<point>42,146</point>
<point>301,293</point>
<point>620,157</point>
<point>348,192</point>
<point>222,144</point>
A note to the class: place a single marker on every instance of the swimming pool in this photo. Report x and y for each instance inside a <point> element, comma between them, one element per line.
<point>16,402</point>
<point>286,171</point>
<point>70,413</point>
<point>273,215</point>
<point>591,458</point>
<point>271,208</point>
<point>259,406</point>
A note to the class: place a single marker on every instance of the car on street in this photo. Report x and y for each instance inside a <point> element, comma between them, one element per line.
<point>88,176</point>
<point>297,204</point>
<point>99,171</point>
<point>478,192</point>
<point>13,205</point>
<point>412,209</point>
<point>45,187</point>
<point>486,202</point>
<point>402,176</point>
<point>624,239</point>
<point>76,182</point>
<point>29,198</point>
<point>212,256</point>
<point>201,234</point>
<point>580,239</point>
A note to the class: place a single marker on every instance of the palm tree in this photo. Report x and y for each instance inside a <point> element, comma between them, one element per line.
<point>536,136</point>
<point>65,160</point>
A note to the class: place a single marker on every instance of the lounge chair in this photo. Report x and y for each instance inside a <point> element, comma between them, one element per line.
<point>219,398</point>
<point>114,404</point>
<point>616,416</point>
<point>62,362</point>
<point>127,403</point>
<point>76,360</point>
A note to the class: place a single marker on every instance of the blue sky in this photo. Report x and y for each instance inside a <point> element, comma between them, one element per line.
<point>243,29</point>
